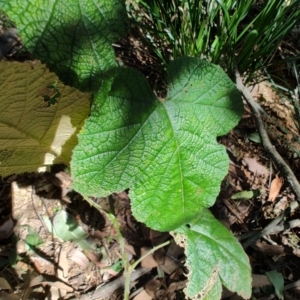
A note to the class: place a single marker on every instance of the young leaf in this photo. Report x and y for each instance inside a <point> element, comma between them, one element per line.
<point>164,151</point>
<point>33,238</point>
<point>73,37</point>
<point>33,135</point>
<point>214,258</point>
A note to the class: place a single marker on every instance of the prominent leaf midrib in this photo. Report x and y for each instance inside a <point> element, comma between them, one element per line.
<point>179,156</point>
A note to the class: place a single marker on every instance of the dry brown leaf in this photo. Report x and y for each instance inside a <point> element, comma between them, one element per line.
<point>79,258</point>
<point>42,265</point>
<point>95,259</point>
<point>175,286</point>
<point>55,293</point>
<point>41,280</point>
<point>11,296</point>
<point>280,206</point>
<point>4,285</point>
<point>148,261</point>
<point>260,280</point>
<point>255,167</point>
<point>275,187</point>
<point>152,287</point>
<point>63,263</point>
<point>143,295</point>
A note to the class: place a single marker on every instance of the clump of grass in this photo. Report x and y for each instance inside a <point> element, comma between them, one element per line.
<point>247,32</point>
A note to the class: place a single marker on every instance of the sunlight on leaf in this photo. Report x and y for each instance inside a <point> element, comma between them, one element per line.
<point>34,136</point>
<point>166,151</point>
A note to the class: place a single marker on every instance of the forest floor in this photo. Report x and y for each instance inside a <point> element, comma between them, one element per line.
<point>253,193</point>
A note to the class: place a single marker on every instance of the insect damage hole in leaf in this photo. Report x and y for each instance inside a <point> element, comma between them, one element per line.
<point>165,152</point>
<point>214,258</point>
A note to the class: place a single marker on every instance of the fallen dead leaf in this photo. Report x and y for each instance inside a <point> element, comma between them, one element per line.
<point>260,280</point>
<point>41,280</point>
<point>148,261</point>
<point>79,258</point>
<point>95,259</point>
<point>55,293</point>
<point>11,296</point>
<point>143,295</point>
<point>280,206</point>
<point>255,167</point>
<point>42,265</point>
<point>4,285</point>
<point>175,286</point>
<point>275,187</point>
<point>152,287</point>
<point>63,263</point>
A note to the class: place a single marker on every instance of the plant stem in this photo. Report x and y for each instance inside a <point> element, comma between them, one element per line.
<point>130,268</point>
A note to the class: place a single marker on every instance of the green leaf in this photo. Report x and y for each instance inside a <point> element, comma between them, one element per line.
<point>73,37</point>
<point>214,258</point>
<point>66,227</point>
<point>32,135</point>
<point>254,137</point>
<point>33,238</point>
<point>164,151</point>
<point>278,282</point>
<point>118,266</point>
<point>246,194</point>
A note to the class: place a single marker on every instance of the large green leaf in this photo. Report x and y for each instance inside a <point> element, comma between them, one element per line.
<point>73,37</point>
<point>164,151</point>
<point>32,134</point>
<point>214,258</point>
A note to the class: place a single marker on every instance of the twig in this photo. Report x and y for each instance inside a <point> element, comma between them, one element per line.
<point>108,289</point>
<point>285,225</point>
<point>279,161</point>
<point>273,226</point>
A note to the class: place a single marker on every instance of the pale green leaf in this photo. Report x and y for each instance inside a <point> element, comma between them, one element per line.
<point>246,194</point>
<point>33,135</point>
<point>66,227</point>
<point>73,37</point>
<point>214,258</point>
<point>33,238</point>
<point>166,151</point>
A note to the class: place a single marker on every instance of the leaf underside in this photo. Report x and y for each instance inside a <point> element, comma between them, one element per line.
<point>72,37</point>
<point>33,135</point>
<point>164,151</point>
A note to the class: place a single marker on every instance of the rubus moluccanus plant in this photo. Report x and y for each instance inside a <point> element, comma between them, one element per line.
<point>163,150</point>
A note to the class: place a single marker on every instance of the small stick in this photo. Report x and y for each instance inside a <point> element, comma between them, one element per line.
<point>108,289</point>
<point>279,161</point>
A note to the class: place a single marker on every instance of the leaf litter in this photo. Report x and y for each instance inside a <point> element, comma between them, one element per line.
<point>57,223</point>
